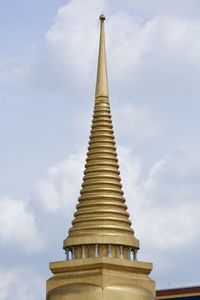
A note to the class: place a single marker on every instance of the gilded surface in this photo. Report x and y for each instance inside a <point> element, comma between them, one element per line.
<point>102,278</point>
<point>102,78</point>
<point>101,248</point>
<point>101,215</point>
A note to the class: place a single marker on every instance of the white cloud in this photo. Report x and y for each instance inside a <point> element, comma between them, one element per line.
<point>164,202</point>
<point>20,284</point>
<point>55,193</point>
<point>150,57</point>
<point>156,7</point>
<point>18,226</point>
<point>141,121</point>
<point>148,54</point>
<point>72,40</point>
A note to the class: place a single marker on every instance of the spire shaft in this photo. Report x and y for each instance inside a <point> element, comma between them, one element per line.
<point>101,216</point>
<point>102,78</point>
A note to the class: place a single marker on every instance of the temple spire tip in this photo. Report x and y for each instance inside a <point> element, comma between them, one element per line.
<point>102,17</point>
<point>102,80</point>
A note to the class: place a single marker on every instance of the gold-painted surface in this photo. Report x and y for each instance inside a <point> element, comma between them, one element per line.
<point>100,278</point>
<point>102,78</point>
<point>101,227</point>
<point>101,239</point>
<point>101,215</point>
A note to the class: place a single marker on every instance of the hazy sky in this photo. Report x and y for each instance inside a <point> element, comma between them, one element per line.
<point>48,59</point>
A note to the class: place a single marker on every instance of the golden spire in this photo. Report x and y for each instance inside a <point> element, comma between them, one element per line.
<point>101,216</point>
<point>102,78</point>
<point>101,248</point>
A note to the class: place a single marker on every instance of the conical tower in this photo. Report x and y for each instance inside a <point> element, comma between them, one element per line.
<point>101,261</point>
<point>101,216</point>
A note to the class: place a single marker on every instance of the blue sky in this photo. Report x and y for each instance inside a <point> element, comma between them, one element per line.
<point>48,59</point>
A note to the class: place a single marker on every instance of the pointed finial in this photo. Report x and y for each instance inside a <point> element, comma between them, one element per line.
<point>102,17</point>
<point>102,80</point>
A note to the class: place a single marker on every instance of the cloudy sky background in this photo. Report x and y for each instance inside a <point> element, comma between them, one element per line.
<point>48,58</point>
